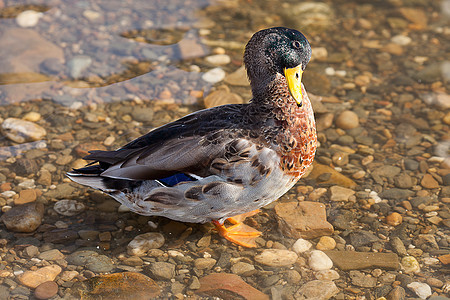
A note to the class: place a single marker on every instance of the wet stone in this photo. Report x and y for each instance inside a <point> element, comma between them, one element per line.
<point>410,265</point>
<point>352,260</point>
<point>360,279</point>
<point>243,269</point>
<point>227,286</point>
<point>276,257</point>
<point>91,260</point>
<point>160,270</point>
<point>34,278</point>
<point>46,290</point>
<point>301,246</point>
<point>68,207</point>
<point>362,238</point>
<point>125,285</point>
<point>204,263</point>
<point>398,246</point>
<point>24,218</point>
<point>303,220</point>
<point>21,131</point>
<point>144,242</point>
<point>60,236</point>
<point>347,120</point>
<point>421,289</point>
<point>319,261</point>
<point>317,289</point>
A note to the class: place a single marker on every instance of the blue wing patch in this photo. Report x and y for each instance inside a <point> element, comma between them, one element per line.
<point>175,179</point>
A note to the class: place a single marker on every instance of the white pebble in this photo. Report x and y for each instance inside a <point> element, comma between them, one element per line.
<point>330,71</point>
<point>218,59</point>
<point>421,289</point>
<point>21,131</point>
<point>276,257</point>
<point>341,73</point>
<point>328,275</point>
<point>319,261</point>
<point>27,184</point>
<point>8,194</point>
<point>28,18</point>
<point>301,246</point>
<point>401,40</point>
<point>144,242</point>
<point>214,75</point>
<point>68,207</point>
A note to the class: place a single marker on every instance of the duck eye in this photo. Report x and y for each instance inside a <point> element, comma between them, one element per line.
<point>296,44</point>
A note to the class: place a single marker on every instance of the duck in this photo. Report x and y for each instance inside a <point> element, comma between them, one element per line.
<point>225,162</point>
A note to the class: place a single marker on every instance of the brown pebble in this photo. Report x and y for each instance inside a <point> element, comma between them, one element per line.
<point>347,120</point>
<point>406,205</point>
<point>429,182</point>
<point>394,219</point>
<point>46,290</point>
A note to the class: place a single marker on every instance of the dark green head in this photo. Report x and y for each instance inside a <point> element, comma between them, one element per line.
<point>272,50</point>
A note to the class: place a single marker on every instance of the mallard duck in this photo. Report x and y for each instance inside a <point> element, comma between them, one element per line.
<point>224,162</point>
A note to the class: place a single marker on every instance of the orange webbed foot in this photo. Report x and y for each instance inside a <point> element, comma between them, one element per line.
<point>239,233</point>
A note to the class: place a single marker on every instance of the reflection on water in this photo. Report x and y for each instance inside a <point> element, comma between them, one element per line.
<point>83,75</point>
<point>77,45</point>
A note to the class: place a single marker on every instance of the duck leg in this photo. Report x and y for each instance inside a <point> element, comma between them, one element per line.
<point>239,233</point>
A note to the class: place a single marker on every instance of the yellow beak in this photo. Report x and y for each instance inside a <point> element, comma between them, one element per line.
<point>294,80</point>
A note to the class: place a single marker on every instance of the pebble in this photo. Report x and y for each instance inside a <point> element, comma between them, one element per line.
<point>123,285</point>
<point>394,219</point>
<point>429,182</point>
<point>363,280</point>
<point>304,219</point>
<point>218,59</point>
<point>91,260</point>
<point>46,290</point>
<point>34,278</point>
<point>410,265</point>
<point>347,120</point>
<point>319,261</point>
<point>214,285</point>
<point>276,257</point>
<point>161,270</point>
<point>32,116</point>
<point>21,131</point>
<point>28,18</point>
<point>301,245</point>
<point>398,246</point>
<point>243,269</point>
<point>26,196</point>
<point>24,218</point>
<point>317,289</point>
<point>68,207</point>
<point>339,193</point>
<point>328,275</point>
<point>204,263</point>
<point>326,243</point>
<point>53,254</point>
<point>421,289</point>
<point>401,40</point>
<point>353,260</point>
<point>78,64</point>
<point>214,75</point>
<point>144,242</point>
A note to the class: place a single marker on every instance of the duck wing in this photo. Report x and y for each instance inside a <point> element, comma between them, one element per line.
<point>187,145</point>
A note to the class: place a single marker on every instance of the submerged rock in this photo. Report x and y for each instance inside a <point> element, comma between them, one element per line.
<point>21,131</point>
<point>24,218</point>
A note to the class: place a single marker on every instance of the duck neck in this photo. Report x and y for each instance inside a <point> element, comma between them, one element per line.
<point>296,138</point>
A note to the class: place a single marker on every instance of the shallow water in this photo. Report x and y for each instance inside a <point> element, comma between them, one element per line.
<point>101,73</point>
